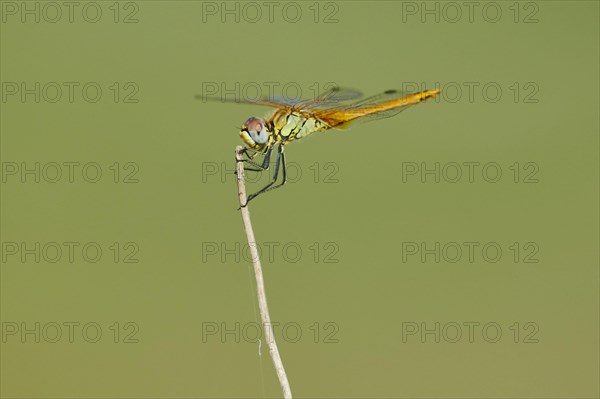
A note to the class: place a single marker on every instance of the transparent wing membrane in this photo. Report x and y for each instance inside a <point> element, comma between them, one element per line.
<point>380,98</point>
<point>269,102</point>
<point>337,94</point>
<point>329,98</point>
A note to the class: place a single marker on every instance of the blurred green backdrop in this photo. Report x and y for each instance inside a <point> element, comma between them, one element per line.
<point>359,250</point>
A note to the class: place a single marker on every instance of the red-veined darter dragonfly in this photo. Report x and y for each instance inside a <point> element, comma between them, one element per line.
<point>294,120</point>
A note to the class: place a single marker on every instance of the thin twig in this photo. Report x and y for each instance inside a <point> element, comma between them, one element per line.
<point>260,284</point>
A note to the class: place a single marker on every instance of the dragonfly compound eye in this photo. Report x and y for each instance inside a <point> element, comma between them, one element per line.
<point>257,131</point>
<point>253,125</point>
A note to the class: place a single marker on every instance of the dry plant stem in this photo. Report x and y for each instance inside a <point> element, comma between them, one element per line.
<point>260,284</point>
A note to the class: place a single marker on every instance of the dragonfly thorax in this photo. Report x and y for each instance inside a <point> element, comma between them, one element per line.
<point>254,133</point>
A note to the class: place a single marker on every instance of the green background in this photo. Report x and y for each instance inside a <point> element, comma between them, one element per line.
<point>177,210</point>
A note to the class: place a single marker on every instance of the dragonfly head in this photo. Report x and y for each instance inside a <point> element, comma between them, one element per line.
<point>254,133</point>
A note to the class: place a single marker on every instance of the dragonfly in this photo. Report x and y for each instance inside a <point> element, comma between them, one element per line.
<point>293,120</point>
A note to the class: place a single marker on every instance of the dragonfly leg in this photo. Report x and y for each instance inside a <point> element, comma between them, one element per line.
<point>278,160</point>
<point>247,150</point>
<point>283,173</point>
<point>256,166</point>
